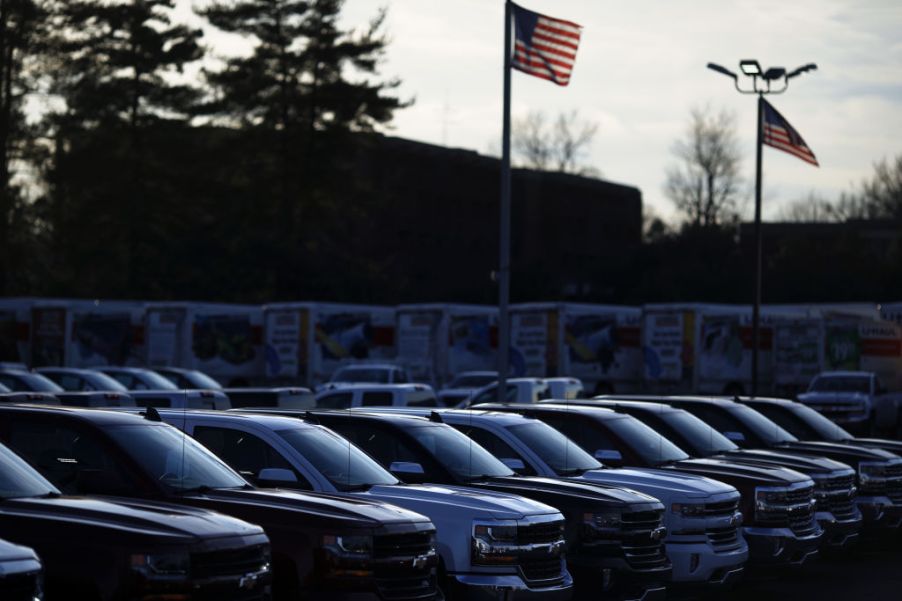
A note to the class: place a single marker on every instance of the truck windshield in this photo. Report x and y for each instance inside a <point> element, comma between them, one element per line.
<point>343,464</point>
<point>563,455</point>
<point>696,435</point>
<point>373,375</point>
<point>19,480</point>
<point>101,381</point>
<point>199,379</point>
<point>154,381</point>
<point>860,384</point>
<point>40,383</point>
<point>768,431</point>
<point>175,460</point>
<point>653,448</point>
<point>814,422</point>
<point>457,453</point>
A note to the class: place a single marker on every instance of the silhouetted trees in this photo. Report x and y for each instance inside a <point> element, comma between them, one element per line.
<point>704,185</point>
<point>558,146</point>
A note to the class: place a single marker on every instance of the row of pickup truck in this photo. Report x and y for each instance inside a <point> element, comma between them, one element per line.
<point>627,496</point>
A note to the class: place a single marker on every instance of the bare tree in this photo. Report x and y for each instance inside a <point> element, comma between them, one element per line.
<point>810,209</point>
<point>705,183</point>
<point>561,146</point>
<point>882,194</point>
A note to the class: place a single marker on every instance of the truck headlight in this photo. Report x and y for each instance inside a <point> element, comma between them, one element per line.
<point>163,564</point>
<point>494,543</point>
<point>871,472</point>
<point>605,524</point>
<point>688,510</point>
<point>355,544</point>
<point>770,498</point>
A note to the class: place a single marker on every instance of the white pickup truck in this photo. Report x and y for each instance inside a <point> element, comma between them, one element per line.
<point>857,400</point>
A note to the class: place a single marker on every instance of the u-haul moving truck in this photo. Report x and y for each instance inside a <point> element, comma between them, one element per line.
<point>222,340</point>
<point>306,342</point>
<point>836,342</point>
<point>15,329</point>
<point>599,344</point>
<point>706,349</point>
<point>84,333</point>
<point>438,341</point>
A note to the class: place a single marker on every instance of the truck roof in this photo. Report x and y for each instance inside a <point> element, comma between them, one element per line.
<point>101,417</point>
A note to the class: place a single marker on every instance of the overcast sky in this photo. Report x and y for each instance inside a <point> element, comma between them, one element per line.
<point>641,68</point>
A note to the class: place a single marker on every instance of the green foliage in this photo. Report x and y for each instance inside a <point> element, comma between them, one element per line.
<point>115,62</point>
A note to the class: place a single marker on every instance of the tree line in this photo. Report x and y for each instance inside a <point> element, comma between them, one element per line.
<point>137,163</point>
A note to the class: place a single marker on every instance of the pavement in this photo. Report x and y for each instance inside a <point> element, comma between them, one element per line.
<point>871,573</point>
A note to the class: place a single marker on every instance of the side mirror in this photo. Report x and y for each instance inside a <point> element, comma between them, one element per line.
<point>276,476</point>
<point>734,436</point>
<point>609,456</point>
<point>409,468</point>
<point>514,464</point>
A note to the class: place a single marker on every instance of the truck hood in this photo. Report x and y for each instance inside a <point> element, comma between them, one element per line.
<point>10,552</point>
<point>355,512</point>
<point>827,398</point>
<point>893,446</point>
<point>847,453</point>
<point>563,494</point>
<point>163,522</point>
<point>807,464</point>
<point>458,499</point>
<point>660,483</point>
<point>740,475</point>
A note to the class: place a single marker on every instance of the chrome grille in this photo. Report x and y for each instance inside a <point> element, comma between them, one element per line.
<point>405,584</point>
<point>723,539</point>
<point>407,545</point>
<point>722,509</point>
<point>229,562</point>
<point>540,533</point>
<point>836,494</point>
<point>542,570</point>
<point>641,549</point>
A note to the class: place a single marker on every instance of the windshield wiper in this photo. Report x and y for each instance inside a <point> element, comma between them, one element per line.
<point>483,477</point>
<point>357,487</point>
<point>576,471</point>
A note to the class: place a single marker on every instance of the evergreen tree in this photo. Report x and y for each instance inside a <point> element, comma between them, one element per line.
<point>21,24</point>
<point>310,84</point>
<point>117,66</point>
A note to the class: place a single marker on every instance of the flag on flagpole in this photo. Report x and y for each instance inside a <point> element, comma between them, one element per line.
<point>781,135</point>
<point>543,46</point>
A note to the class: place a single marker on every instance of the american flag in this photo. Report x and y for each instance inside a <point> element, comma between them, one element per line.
<point>780,134</point>
<point>543,46</point>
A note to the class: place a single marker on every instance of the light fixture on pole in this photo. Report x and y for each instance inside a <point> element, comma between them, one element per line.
<point>763,82</point>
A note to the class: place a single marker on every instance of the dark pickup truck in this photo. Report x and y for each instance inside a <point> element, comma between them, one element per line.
<point>778,506</point>
<point>879,472</point>
<point>323,546</point>
<point>614,536</point>
<point>95,550</point>
<point>834,482</point>
<point>20,574</point>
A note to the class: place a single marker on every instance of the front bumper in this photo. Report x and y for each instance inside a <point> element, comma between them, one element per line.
<point>490,587</point>
<point>700,564</point>
<point>880,515</point>
<point>780,546</point>
<point>839,534</point>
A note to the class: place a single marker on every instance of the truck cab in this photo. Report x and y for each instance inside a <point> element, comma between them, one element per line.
<point>376,395</point>
<point>293,453</point>
<point>698,542</point>
<point>614,536</point>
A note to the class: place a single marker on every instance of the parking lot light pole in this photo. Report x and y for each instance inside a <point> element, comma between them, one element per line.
<point>763,82</point>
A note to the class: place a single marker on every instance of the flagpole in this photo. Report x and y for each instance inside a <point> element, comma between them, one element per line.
<point>504,250</point>
<point>756,308</point>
